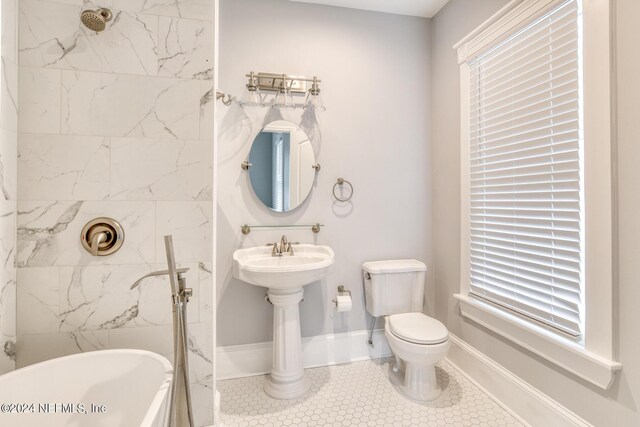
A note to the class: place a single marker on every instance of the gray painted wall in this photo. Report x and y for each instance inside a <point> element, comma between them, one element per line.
<point>619,405</point>
<point>375,82</point>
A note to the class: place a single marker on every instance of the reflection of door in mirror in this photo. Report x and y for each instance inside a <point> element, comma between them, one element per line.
<point>300,157</point>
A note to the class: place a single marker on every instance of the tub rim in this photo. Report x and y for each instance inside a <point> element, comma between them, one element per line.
<point>158,398</point>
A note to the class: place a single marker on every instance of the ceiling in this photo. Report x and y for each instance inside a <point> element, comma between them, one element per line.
<point>423,8</point>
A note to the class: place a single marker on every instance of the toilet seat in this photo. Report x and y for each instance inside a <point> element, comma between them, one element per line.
<point>418,328</point>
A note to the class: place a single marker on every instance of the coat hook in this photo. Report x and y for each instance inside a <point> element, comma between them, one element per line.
<point>221,95</point>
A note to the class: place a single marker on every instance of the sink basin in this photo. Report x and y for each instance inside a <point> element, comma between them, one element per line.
<point>284,276</point>
<point>308,264</point>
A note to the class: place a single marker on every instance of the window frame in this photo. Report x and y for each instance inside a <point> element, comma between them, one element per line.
<point>593,358</point>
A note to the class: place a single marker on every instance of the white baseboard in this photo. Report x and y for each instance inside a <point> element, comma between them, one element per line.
<point>255,359</point>
<point>528,404</point>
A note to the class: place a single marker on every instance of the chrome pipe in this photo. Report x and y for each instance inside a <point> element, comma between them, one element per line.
<point>174,380</point>
<point>185,361</point>
<point>181,412</point>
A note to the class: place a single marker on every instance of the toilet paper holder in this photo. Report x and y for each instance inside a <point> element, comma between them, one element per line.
<point>341,292</point>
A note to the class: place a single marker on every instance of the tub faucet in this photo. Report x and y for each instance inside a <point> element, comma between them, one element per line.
<point>179,271</point>
<point>180,408</point>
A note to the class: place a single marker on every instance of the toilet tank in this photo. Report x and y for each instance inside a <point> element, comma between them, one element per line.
<point>394,286</point>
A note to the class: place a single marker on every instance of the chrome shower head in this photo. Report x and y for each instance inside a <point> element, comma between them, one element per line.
<point>96,20</point>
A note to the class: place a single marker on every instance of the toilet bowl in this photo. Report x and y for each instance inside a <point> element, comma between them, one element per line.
<point>414,372</point>
<point>395,289</point>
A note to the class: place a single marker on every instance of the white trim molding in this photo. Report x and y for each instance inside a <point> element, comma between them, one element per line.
<point>522,400</point>
<point>539,340</point>
<point>593,359</point>
<point>504,22</point>
<point>323,350</point>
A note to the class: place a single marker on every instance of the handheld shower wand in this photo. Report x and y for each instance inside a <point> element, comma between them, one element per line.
<point>180,409</point>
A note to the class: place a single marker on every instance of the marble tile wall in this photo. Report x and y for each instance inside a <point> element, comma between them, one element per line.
<point>113,124</point>
<point>8,183</point>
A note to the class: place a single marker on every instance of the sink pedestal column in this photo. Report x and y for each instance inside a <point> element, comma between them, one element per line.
<point>287,379</point>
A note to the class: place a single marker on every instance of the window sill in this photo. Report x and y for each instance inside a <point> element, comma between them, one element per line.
<point>558,350</point>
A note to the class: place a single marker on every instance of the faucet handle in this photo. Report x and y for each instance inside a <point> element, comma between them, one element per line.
<point>97,238</point>
<point>290,248</point>
<point>274,251</point>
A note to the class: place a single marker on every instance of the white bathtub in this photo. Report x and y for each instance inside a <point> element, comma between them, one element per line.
<point>131,386</point>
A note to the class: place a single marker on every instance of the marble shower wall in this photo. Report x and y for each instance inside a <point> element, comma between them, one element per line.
<point>8,166</point>
<point>115,124</point>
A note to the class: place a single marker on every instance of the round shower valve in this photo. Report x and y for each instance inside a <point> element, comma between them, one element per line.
<point>102,236</point>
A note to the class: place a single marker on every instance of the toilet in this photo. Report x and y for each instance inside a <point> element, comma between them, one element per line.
<point>395,289</point>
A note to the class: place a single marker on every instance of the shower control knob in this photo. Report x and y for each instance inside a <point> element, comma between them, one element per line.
<point>102,236</point>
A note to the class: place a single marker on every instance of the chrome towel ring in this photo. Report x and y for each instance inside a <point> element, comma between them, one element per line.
<point>341,182</point>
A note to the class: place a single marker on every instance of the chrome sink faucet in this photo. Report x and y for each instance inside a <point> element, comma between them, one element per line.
<point>285,247</point>
<point>283,244</point>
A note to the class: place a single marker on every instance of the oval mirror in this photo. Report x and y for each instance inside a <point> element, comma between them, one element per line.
<point>282,166</point>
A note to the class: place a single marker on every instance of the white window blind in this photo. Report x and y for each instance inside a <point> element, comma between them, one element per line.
<point>526,187</point>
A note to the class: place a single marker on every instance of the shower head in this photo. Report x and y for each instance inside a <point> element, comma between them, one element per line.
<point>96,20</point>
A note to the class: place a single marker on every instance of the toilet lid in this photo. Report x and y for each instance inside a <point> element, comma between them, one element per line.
<point>418,328</point>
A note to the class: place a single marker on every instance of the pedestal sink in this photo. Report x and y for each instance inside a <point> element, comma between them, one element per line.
<point>284,276</point>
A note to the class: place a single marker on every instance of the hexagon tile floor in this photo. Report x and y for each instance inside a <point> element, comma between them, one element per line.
<point>360,394</point>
